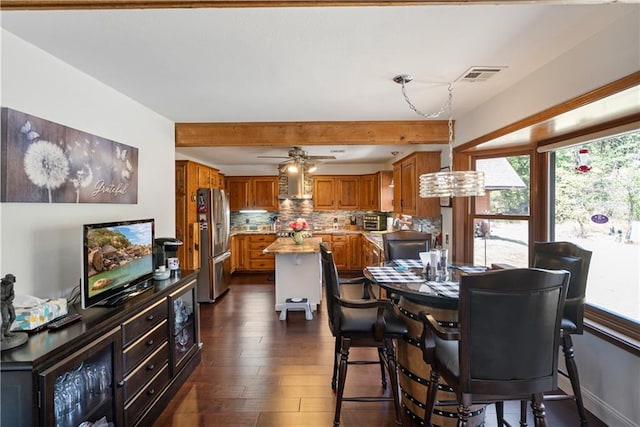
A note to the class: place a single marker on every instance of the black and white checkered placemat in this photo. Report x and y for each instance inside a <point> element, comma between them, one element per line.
<point>409,263</point>
<point>391,275</point>
<point>447,289</point>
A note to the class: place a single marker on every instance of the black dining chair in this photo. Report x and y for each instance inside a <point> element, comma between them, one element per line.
<point>506,343</point>
<point>571,257</point>
<point>360,323</point>
<point>405,244</point>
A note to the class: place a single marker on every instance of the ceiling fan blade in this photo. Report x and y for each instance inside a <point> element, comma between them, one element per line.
<point>321,157</point>
<point>273,157</point>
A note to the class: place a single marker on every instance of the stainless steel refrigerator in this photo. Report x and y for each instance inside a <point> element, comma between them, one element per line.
<point>215,254</point>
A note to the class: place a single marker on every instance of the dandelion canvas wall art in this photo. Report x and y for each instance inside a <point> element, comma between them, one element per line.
<point>46,162</point>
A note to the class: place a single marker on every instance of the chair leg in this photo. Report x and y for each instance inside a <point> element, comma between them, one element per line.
<point>384,377</point>
<point>500,413</point>
<point>392,366</point>
<point>336,354</point>
<point>432,390</point>
<point>539,416</point>
<point>523,413</point>
<point>342,376</point>
<point>572,370</point>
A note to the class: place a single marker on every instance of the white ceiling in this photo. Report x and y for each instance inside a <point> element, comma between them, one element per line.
<point>305,63</point>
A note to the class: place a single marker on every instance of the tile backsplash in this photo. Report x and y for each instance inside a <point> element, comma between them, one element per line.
<point>290,210</point>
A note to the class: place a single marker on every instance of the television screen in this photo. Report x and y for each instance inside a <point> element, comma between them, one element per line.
<point>116,256</point>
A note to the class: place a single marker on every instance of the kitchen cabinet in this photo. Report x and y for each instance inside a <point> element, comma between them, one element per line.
<point>189,176</point>
<point>258,260</point>
<point>406,175</point>
<point>238,253</point>
<point>252,192</point>
<point>355,252</point>
<point>346,249</point>
<point>124,363</point>
<point>340,249</point>
<point>375,193</point>
<point>247,255</point>
<point>332,192</point>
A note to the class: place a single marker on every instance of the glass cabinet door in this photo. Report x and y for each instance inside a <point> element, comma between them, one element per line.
<point>84,386</point>
<point>184,334</point>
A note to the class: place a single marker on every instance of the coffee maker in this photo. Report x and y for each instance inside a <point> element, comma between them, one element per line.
<point>164,248</point>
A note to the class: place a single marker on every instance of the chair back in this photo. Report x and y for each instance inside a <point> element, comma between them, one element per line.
<point>331,284</point>
<point>405,244</point>
<point>576,260</point>
<point>510,331</point>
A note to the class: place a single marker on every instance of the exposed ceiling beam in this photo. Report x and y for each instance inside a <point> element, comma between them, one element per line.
<point>172,4</point>
<point>311,133</point>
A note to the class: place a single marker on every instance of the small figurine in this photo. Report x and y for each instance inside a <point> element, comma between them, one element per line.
<point>9,339</point>
<point>7,295</point>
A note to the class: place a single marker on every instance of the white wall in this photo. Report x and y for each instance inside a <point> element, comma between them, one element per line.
<point>610,376</point>
<point>39,242</point>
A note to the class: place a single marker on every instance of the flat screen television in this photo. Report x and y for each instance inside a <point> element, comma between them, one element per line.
<point>117,260</point>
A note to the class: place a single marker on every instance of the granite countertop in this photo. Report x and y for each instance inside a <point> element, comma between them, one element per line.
<point>286,245</point>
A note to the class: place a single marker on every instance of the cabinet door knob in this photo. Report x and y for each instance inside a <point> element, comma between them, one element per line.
<point>120,384</point>
<point>151,392</point>
<point>151,367</point>
<point>150,317</point>
<point>150,342</point>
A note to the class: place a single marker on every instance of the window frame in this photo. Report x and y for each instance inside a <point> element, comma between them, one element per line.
<point>613,328</point>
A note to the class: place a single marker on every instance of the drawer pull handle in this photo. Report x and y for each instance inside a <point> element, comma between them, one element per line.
<point>150,342</point>
<point>120,384</point>
<point>150,317</point>
<point>151,392</point>
<point>151,367</point>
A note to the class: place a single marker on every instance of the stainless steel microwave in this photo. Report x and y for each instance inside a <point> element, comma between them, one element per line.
<point>374,222</point>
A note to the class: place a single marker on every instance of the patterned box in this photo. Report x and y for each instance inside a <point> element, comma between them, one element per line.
<point>29,318</point>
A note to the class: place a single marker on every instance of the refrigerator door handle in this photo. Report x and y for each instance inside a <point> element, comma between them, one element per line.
<point>222,257</point>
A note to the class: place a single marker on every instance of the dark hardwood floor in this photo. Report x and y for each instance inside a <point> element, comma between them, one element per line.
<point>259,371</point>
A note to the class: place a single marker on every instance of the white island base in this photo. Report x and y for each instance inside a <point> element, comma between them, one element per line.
<point>298,276</point>
<point>298,271</point>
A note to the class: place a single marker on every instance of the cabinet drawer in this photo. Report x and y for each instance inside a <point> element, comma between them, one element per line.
<point>140,324</point>
<point>144,346</point>
<point>145,372</point>
<point>147,395</point>
<point>339,238</point>
<point>262,238</point>
<point>262,264</point>
<point>257,254</point>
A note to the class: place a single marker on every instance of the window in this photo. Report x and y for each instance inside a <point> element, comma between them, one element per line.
<point>595,203</point>
<point>501,218</point>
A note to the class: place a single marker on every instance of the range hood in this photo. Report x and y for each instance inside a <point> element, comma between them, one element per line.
<point>294,185</point>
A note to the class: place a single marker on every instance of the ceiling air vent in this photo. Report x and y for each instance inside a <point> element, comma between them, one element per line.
<point>479,74</point>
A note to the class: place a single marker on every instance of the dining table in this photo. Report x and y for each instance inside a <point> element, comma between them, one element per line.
<point>406,281</point>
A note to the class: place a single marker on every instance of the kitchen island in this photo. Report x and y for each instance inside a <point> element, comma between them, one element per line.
<point>298,272</point>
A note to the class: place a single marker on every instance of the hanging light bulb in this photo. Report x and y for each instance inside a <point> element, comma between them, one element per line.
<point>394,154</point>
<point>312,168</point>
<point>445,183</point>
<point>293,168</point>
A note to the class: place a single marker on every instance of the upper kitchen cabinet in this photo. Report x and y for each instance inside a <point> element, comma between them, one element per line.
<point>406,191</point>
<point>252,192</point>
<point>208,177</point>
<point>375,193</point>
<point>336,192</point>
<point>189,177</point>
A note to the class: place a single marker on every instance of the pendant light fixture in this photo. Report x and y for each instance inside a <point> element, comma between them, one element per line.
<point>445,183</point>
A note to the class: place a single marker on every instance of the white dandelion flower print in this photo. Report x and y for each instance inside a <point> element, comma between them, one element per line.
<point>46,165</point>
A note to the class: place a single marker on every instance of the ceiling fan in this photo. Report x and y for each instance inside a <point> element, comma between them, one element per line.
<point>298,157</point>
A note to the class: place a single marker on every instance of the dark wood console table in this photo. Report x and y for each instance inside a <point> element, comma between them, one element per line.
<point>123,363</point>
